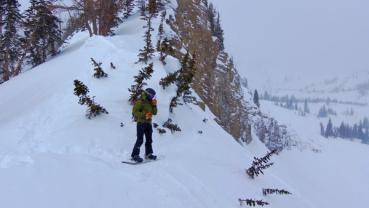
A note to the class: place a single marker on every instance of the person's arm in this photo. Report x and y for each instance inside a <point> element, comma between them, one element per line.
<point>154,107</point>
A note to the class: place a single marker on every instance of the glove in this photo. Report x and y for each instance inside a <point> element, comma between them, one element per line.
<point>154,102</point>
<point>148,116</point>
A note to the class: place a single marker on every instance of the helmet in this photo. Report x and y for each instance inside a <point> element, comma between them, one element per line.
<point>150,92</point>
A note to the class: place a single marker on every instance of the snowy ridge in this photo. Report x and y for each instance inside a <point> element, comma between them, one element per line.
<point>52,156</point>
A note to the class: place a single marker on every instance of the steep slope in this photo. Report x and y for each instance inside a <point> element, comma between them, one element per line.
<point>52,156</point>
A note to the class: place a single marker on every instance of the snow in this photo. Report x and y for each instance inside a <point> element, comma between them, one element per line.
<point>52,156</point>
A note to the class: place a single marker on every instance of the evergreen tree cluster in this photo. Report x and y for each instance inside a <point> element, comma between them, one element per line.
<point>215,26</point>
<point>252,202</point>
<point>99,72</point>
<point>260,164</point>
<point>93,109</point>
<point>324,112</point>
<point>136,89</point>
<point>273,135</point>
<point>284,99</point>
<point>347,131</point>
<point>31,36</point>
<point>275,191</point>
<point>42,31</point>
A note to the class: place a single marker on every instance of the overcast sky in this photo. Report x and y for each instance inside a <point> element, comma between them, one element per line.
<point>306,37</point>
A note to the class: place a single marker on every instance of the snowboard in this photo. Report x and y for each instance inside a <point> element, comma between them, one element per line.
<point>131,162</point>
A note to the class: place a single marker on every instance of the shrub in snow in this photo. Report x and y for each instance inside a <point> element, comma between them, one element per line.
<point>162,131</point>
<point>93,109</point>
<point>252,202</point>
<point>260,164</point>
<point>171,126</point>
<point>137,88</point>
<point>275,191</point>
<point>99,72</point>
<point>112,65</point>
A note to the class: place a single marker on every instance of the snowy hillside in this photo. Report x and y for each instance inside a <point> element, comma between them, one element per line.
<point>52,156</point>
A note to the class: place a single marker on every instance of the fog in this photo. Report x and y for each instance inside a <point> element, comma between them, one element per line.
<point>306,38</point>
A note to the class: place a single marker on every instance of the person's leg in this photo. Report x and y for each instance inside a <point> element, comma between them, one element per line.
<point>148,135</point>
<point>139,141</point>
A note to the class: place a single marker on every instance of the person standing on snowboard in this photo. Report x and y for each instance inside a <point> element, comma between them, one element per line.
<point>143,110</point>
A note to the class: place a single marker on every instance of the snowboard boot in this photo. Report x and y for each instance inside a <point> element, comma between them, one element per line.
<point>137,159</point>
<point>150,157</point>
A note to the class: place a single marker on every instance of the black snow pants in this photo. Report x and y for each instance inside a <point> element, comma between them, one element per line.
<point>143,129</point>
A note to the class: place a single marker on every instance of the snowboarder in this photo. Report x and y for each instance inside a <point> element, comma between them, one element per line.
<point>143,110</point>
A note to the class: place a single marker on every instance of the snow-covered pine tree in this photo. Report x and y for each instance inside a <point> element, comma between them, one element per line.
<point>256,98</point>
<point>128,7</point>
<point>42,32</point>
<point>99,72</point>
<point>11,50</point>
<point>136,89</point>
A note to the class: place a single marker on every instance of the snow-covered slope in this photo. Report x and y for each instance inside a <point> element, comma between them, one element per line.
<point>52,156</point>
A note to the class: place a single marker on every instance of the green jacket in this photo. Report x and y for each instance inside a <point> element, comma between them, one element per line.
<point>141,107</point>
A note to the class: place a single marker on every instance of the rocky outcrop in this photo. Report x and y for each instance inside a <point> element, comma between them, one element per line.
<point>216,81</point>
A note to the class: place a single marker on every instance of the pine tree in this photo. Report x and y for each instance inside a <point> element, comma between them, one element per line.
<point>165,49</point>
<point>99,72</point>
<point>211,17</point>
<point>219,33</point>
<point>256,98</point>
<point>252,202</point>
<point>142,6</point>
<point>136,89</point>
<point>93,109</point>
<point>168,80</point>
<point>329,129</point>
<point>42,31</point>
<point>306,107</point>
<point>128,8</point>
<point>259,164</point>
<point>11,43</point>
<point>275,191</point>
<point>148,51</point>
